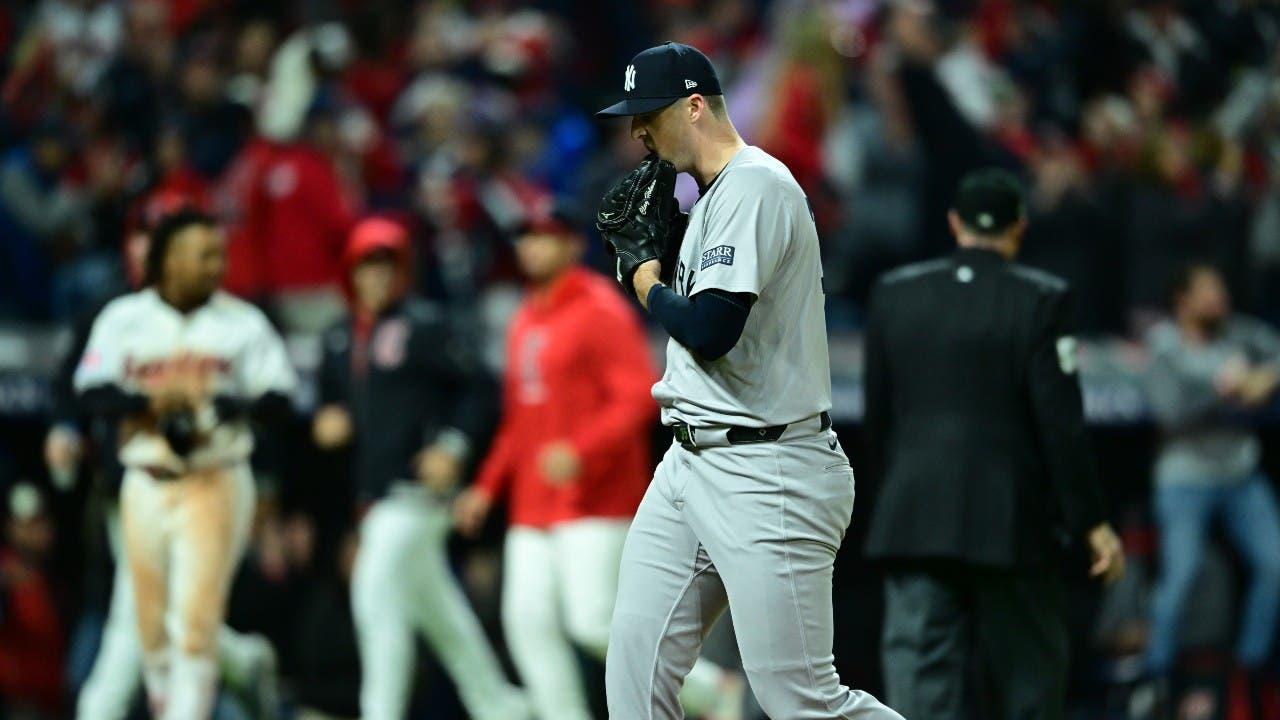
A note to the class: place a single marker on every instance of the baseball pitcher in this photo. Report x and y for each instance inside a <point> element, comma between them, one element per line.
<point>183,368</point>
<point>751,502</point>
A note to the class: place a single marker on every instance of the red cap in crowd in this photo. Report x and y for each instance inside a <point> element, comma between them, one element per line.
<point>373,234</point>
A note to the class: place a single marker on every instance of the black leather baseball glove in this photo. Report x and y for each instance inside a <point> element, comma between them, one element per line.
<point>637,216</point>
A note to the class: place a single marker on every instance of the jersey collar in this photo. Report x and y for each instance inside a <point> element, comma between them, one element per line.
<point>703,190</point>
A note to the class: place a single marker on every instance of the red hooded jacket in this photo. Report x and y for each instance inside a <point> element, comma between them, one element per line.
<point>296,215</point>
<point>578,369</point>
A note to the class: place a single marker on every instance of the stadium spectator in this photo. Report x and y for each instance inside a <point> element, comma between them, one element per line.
<point>1211,369</point>
<point>296,219</point>
<point>39,212</point>
<point>31,633</point>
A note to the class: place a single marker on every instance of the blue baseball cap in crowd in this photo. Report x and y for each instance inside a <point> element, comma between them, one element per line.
<point>662,75</point>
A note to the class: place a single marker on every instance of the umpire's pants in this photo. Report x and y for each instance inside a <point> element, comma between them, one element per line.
<point>935,614</point>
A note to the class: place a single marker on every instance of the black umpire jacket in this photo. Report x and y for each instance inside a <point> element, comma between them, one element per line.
<point>974,419</point>
<point>411,376</point>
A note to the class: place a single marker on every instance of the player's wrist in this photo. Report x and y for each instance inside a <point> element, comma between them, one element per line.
<point>645,279</point>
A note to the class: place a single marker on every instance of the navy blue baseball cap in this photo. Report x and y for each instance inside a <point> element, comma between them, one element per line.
<point>662,75</point>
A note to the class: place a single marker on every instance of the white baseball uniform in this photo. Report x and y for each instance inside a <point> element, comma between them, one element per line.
<point>185,520</point>
<point>752,527</point>
<point>108,692</point>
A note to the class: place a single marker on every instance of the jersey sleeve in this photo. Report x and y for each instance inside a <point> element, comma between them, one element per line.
<point>747,229</point>
<point>265,365</point>
<point>103,360</point>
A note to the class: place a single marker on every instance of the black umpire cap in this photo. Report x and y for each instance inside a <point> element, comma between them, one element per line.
<point>662,75</point>
<point>989,201</point>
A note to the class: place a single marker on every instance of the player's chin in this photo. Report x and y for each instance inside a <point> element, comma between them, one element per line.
<point>210,285</point>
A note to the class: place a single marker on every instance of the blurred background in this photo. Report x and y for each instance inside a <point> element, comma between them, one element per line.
<point>1147,132</point>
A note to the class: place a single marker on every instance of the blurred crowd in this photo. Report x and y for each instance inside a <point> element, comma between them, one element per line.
<point>1147,132</point>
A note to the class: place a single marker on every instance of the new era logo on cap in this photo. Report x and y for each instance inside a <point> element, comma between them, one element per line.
<point>661,75</point>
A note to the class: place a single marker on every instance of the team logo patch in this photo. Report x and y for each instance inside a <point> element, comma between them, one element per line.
<point>629,79</point>
<point>719,255</point>
<point>389,344</point>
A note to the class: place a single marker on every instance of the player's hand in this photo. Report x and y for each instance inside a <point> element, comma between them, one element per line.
<point>331,427</point>
<point>166,400</point>
<point>62,451</point>
<point>470,511</point>
<point>438,469</point>
<point>560,463</point>
<point>180,389</point>
<point>1231,377</point>
<point>1107,553</point>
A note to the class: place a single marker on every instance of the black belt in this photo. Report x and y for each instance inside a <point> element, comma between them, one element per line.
<point>685,435</point>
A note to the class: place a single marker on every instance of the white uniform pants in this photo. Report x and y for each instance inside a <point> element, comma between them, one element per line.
<point>558,590</point>
<point>401,586</point>
<point>182,540</point>
<point>108,692</point>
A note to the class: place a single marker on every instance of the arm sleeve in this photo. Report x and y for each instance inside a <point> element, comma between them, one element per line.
<point>103,360</point>
<point>328,382</point>
<point>748,227</point>
<point>876,390</point>
<point>109,401</point>
<point>621,362</point>
<point>1181,395</point>
<point>494,475</point>
<point>1058,409</point>
<point>709,324</point>
<point>495,472</point>
<point>472,396</point>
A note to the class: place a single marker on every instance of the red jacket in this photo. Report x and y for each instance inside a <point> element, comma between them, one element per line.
<point>297,212</point>
<point>31,639</point>
<point>578,369</point>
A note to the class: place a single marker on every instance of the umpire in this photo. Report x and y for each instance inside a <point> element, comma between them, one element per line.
<point>975,426</point>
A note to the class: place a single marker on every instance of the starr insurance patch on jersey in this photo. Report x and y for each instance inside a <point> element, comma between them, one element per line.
<point>1067,360</point>
<point>718,255</point>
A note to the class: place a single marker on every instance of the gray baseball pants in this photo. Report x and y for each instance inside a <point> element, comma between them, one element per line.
<point>754,528</point>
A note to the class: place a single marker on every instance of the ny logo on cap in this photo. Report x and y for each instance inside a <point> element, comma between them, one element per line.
<point>629,80</point>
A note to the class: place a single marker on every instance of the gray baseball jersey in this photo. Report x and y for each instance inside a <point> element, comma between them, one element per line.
<point>752,232</point>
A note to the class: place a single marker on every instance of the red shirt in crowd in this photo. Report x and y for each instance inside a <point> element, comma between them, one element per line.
<point>578,369</point>
<point>31,640</point>
<point>295,214</point>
